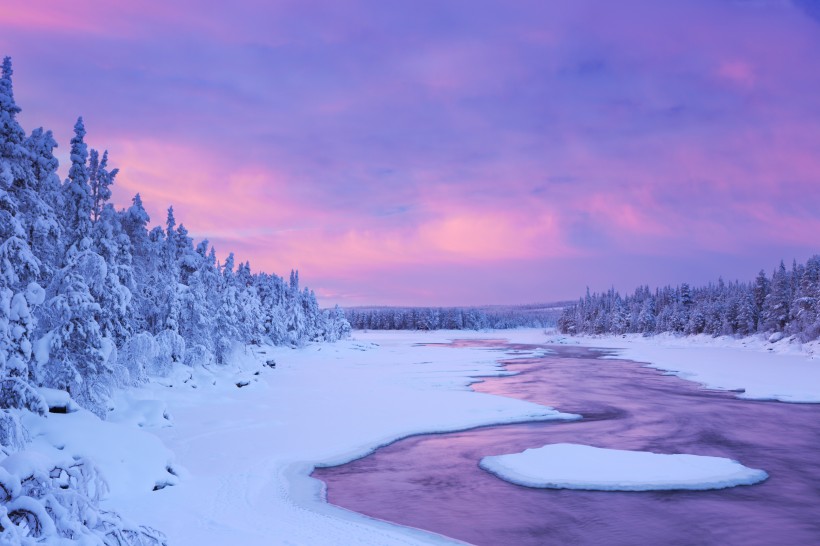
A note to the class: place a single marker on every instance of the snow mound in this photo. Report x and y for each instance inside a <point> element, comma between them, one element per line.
<point>58,401</point>
<point>573,466</point>
<point>129,459</point>
<point>140,412</point>
<point>53,500</point>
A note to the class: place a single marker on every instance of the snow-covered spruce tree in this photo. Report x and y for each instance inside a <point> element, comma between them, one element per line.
<point>775,313</point>
<point>227,317</point>
<point>100,180</point>
<point>20,292</point>
<point>199,305</point>
<point>272,290</point>
<point>338,326</point>
<point>112,244</point>
<point>251,327</point>
<point>170,348</point>
<point>86,311</point>
<point>294,311</point>
<point>76,201</point>
<point>135,226</point>
<point>805,309</point>
<point>78,354</point>
<point>41,200</point>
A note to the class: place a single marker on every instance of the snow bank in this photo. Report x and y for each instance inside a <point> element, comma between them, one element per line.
<point>130,460</point>
<point>573,466</point>
<point>754,367</point>
<point>58,401</point>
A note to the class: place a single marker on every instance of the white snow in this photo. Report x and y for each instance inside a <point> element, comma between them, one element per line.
<point>130,460</point>
<point>757,369</point>
<point>243,455</point>
<point>35,294</point>
<point>235,462</point>
<point>55,398</point>
<point>574,466</point>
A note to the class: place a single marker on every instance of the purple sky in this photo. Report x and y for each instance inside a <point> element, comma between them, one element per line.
<point>449,151</point>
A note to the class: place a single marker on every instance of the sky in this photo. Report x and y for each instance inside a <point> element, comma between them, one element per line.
<point>448,152</point>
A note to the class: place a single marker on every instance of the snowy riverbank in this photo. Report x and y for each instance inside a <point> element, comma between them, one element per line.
<point>244,454</point>
<point>230,449</point>
<point>754,367</point>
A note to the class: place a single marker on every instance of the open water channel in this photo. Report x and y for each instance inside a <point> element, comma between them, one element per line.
<point>434,482</point>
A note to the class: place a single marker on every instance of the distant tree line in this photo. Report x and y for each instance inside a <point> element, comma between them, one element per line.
<point>787,302</point>
<point>450,318</point>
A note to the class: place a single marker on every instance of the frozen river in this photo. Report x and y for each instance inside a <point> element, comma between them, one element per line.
<point>433,482</point>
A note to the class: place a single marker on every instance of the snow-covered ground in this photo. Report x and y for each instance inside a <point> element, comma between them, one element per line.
<point>235,462</point>
<point>229,450</point>
<point>574,466</point>
<point>756,368</point>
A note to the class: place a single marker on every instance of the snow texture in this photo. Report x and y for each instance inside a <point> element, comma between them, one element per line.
<point>573,466</point>
<point>753,367</point>
<point>244,455</point>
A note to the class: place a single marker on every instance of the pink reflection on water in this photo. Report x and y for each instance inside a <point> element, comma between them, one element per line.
<point>433,482</point>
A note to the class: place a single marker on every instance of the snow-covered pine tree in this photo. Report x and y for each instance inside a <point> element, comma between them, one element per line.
<point>760,291</point>
<point>271,290</point>
<point>78,354</point>
<point>12,150</point>
<point>76,198</point>
<point>804,320</point>
<point>249,306</point>
<point>134,221</point>
<point>42,200</point>
<point>294,312</point>
<point>199,305</point>
<point>227,318</point>
<point>775,312</point>
<point>115,295</point>
<point>20,269</point>
<point>100,180</point>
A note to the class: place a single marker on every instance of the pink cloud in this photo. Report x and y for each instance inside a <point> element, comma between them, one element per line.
<point>377,141</point>
<point>737,72</point>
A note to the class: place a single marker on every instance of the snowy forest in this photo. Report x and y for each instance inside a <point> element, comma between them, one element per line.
<point>783,304</point>
<point>451,318</point>
<point>92,299</point>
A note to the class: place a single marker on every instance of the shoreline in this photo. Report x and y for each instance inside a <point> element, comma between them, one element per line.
<point>246,454</point>
<point>251,481</point>
<point>751,367</point>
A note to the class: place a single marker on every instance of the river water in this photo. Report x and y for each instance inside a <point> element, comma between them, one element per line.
<point>433,482</point>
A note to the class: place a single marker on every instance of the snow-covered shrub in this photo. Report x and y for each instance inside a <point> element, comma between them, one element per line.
<point>137,355</point>
<point>170,350</point>
<point>13,436</point>
<point>44,501</point>
<point>336,326</point>
<point>198,356</point>
<point>17,394</point>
